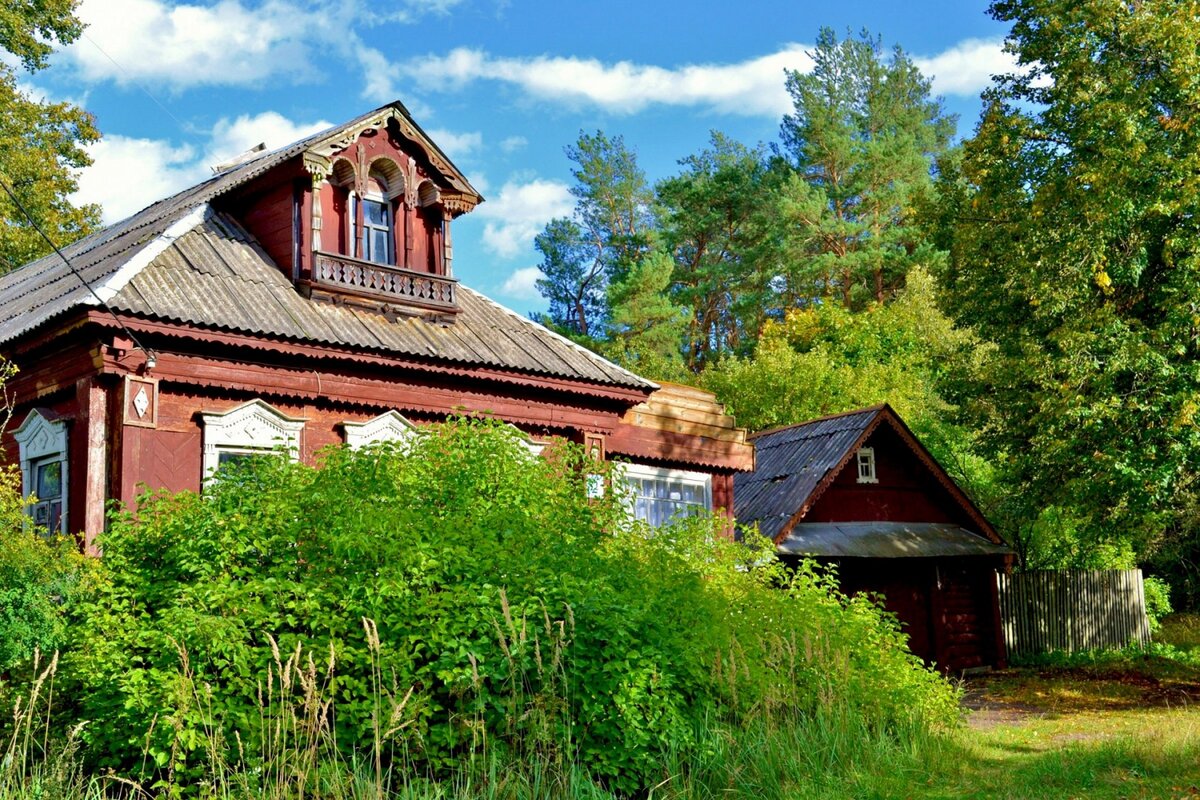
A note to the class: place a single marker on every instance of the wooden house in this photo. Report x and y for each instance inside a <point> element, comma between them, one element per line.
<point>858,490</point>
<point>301,298</point>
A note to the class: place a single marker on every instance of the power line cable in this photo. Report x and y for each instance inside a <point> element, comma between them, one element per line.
<point>104,304</point>
<point>140,87</point>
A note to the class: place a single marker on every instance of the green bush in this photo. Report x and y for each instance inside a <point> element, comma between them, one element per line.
<point>38,577</point>
<point>1158,600</point>
<point>424,604</point>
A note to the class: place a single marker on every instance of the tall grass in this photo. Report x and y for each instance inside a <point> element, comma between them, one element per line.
<point>830,753</point>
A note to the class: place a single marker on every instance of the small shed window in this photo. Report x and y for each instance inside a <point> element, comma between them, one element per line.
<point>659,495</point>
<point>866,465</point>
<point>42,439</point>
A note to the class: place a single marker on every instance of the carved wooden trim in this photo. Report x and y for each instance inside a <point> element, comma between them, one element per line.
<point>384,282</point>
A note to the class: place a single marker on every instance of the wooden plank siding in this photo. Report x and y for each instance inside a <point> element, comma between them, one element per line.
<point>1072,610</point>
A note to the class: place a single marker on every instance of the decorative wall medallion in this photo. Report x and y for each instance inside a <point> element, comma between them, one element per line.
<point>141,401</point>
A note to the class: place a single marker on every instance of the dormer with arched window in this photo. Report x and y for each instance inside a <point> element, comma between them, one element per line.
<point>379,211</point>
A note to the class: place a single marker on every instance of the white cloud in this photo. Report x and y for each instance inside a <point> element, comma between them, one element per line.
<point>513,143</point>
<point>750,87</point>
<point>754,87</point>
<point>127,174</point>
<point>522,284</point>
<point>519,212</point>
<point>456,145</point>
<point>227,43</point>
<point>967,67</point>
<point>230,138</point>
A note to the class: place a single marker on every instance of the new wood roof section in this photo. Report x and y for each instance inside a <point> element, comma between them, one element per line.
<point>682,423</point>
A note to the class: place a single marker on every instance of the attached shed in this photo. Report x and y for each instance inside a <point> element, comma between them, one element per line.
<point>858,490</point>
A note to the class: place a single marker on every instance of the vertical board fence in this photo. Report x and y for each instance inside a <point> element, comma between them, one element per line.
<point>1072,610</point>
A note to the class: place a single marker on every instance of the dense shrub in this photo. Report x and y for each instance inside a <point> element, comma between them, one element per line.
<point>39,575</point>
<point>468,595</point>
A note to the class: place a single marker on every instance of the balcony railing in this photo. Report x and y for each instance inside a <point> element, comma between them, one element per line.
<point>384,282</point>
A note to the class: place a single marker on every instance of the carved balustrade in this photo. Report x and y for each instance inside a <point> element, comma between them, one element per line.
<point>338,273</point>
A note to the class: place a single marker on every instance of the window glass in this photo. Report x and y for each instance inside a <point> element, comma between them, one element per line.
<point>48,483</point>
<point>660,495</point>
<point>377,232</point>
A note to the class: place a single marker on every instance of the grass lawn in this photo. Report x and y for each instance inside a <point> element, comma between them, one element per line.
<point>1121,727</point>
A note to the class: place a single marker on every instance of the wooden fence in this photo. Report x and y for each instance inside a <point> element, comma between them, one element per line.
<point>1072,610</point>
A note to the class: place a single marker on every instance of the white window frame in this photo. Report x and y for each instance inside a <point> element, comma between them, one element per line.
<point>362,232</point>
<point>630,473</point>
<point>43,440</point>
<point>253,428</point>
<point>390,426</point>
<point>864,461</point>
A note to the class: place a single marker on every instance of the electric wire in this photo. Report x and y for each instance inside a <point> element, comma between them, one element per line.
<point>136,83</point>
<point>103,304</point>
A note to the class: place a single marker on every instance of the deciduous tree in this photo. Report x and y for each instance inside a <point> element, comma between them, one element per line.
<point>1076,248</point>
<point>41,143</point>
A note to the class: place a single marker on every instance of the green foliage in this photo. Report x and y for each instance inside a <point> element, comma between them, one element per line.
<point>41,143</point>
<point>827,359</point>
<point>1075,249</point>
<point>645,325</point>
<point>27,29</point>
<point>517,612</point>
<point>863,134</point>
<point>1158,601</point>
<point>39,578</point>
<point>715,219</point>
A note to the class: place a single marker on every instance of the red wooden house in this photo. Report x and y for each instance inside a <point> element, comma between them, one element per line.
<point>301,298</point>
<point>859,491</point>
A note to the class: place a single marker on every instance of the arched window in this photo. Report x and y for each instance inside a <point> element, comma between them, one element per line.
<point>387,427</point>
<point>374,236</point>
<point>42,439</point>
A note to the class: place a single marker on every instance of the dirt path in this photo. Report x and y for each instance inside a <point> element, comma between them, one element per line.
<point>1015,697</point>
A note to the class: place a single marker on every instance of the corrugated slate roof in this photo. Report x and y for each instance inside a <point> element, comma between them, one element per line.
<point>216,276</point>
<point>177,260</point>
<point>886,540</point>
<point>789,465</point>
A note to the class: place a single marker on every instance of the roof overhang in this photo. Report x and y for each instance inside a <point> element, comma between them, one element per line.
<point>886,540</point>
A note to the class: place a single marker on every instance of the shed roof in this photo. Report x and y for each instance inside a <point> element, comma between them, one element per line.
<point>886,540</point>
<point>179,260</point>
<point>795,464</point>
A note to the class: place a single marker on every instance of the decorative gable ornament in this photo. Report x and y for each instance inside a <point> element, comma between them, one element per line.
<point>387,427</point>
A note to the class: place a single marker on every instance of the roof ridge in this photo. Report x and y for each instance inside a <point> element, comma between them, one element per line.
<point>779,429</point>
<point>127,271</point>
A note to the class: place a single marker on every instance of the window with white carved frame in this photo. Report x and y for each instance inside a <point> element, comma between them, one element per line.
<point>251,430</point>
<point>866,465</point>
<point>372,217</point>
<point>657,495</point>
<point>42,440</point>
<point>387,427</point>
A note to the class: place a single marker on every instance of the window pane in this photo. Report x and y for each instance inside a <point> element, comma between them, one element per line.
<point>375,213</point>
<point>49,480</point>
<point>379,247</point>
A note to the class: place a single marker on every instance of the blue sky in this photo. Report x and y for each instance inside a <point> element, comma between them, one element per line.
<point>501,85</point>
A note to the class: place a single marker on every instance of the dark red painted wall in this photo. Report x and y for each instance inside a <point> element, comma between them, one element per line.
<point>906,492</point>
<point>944,605</point>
